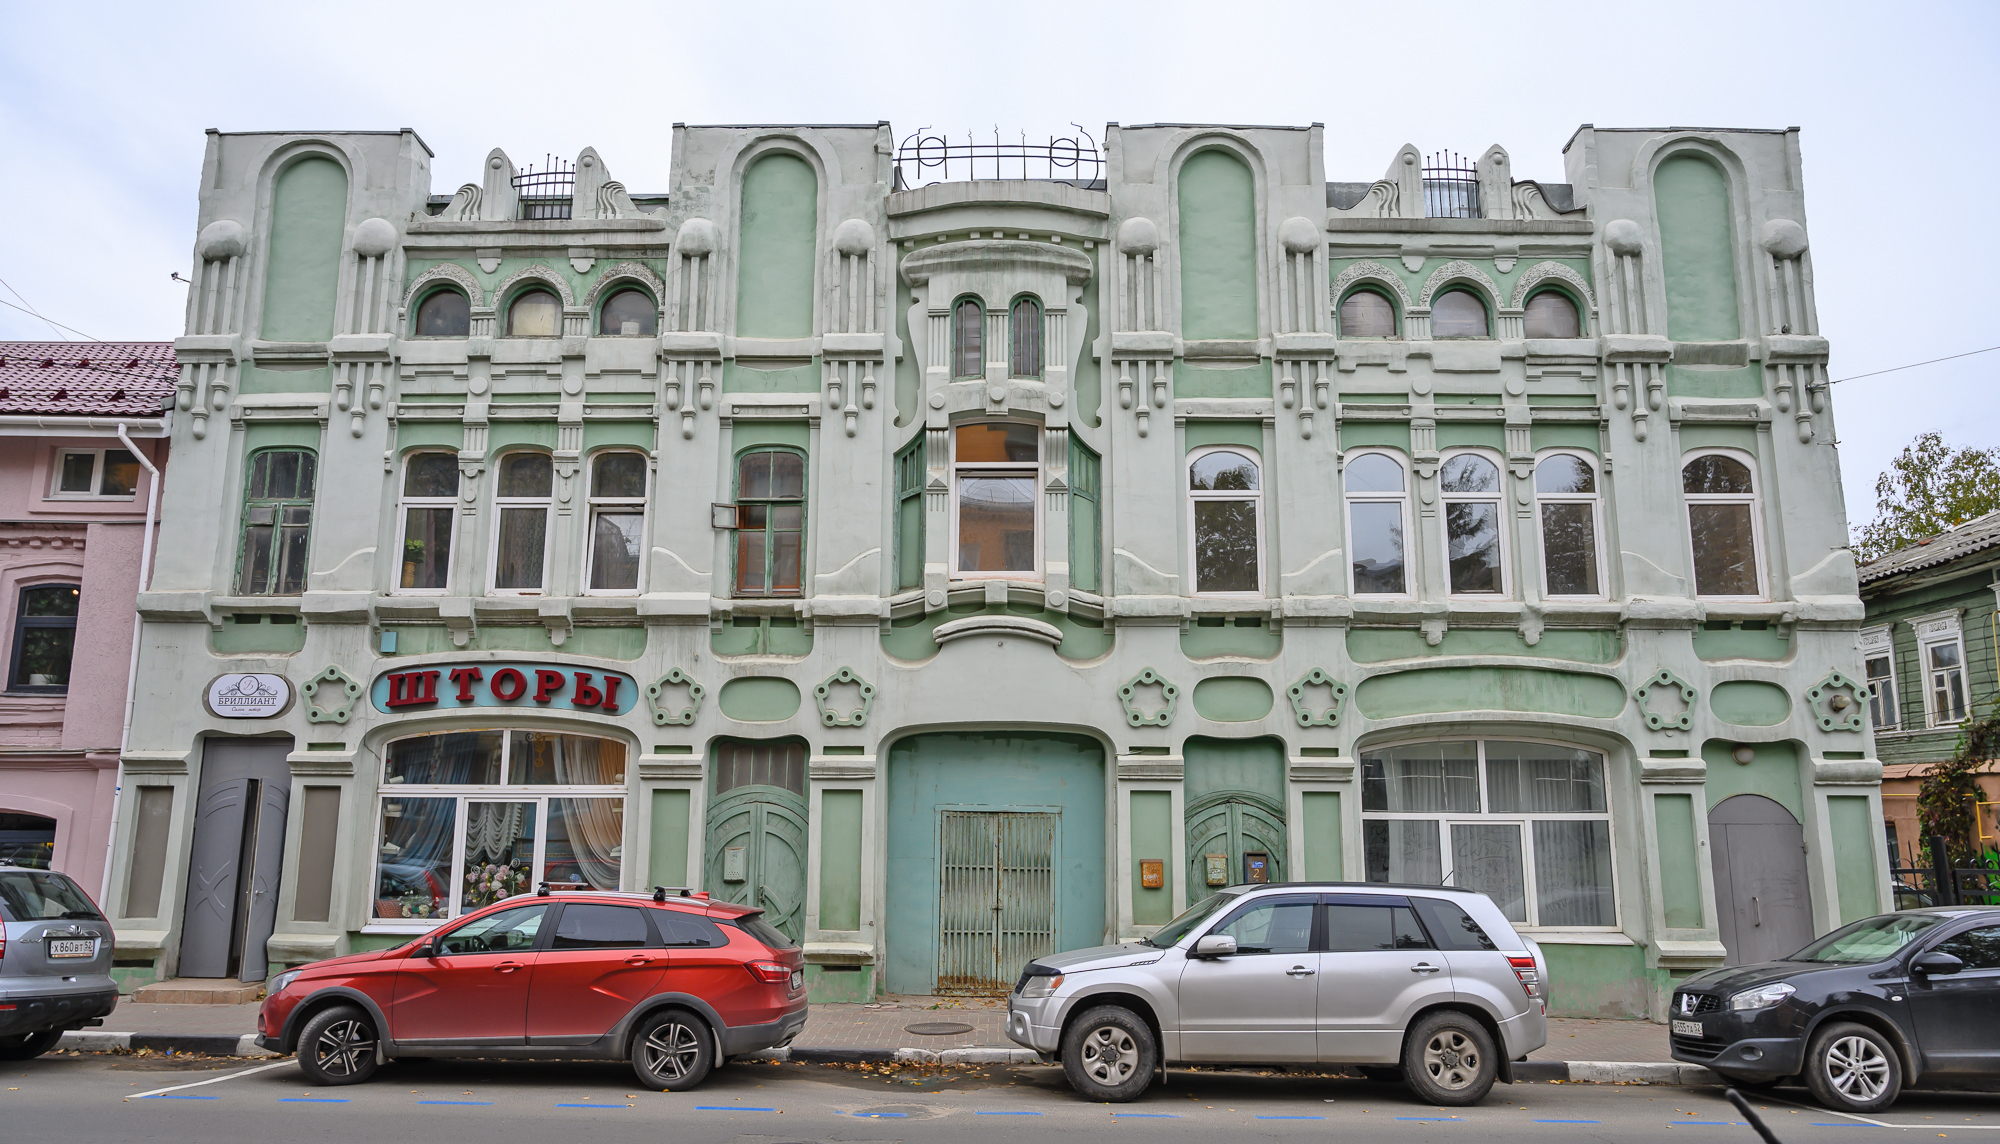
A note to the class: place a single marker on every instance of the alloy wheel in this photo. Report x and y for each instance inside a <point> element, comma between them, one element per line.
<point>1857,1069</point>
<point>1451,1059</point>
<point>343,1048</point>
<point>1109,1054</point>
<point>671,1051</point>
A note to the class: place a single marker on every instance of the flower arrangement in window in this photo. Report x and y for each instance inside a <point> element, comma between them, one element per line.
<point>489,882</point>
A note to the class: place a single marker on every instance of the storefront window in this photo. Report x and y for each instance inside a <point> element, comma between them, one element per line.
<point>471,817</point>
<point>1526,823</point>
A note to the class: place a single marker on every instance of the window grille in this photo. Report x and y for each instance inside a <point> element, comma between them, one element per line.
<point>547,193</point>
<point>922,160</point>
<point>1451,186</point>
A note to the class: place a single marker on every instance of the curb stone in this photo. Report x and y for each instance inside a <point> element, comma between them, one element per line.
<point>1526,1072</point>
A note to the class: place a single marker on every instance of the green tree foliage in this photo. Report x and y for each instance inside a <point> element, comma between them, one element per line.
<point>1929,489</point>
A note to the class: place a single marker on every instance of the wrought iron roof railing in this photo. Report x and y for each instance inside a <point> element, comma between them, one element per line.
<point>547,193</point>
<point>1451,186</point>
<point>923,159</point>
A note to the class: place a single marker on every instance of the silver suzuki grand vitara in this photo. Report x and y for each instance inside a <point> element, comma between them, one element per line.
<point>1425,984</point>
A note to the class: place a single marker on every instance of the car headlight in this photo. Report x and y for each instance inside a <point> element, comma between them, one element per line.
<point>1041,985</point>
<point>1762,997</point>
<point>283,981</point>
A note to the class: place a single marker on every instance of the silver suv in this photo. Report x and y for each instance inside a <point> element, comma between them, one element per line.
<point>55,961</point>
<point>1419,983</point>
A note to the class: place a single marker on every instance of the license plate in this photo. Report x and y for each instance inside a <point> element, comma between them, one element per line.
<point>1689,1028</point>
<point>73,947</point>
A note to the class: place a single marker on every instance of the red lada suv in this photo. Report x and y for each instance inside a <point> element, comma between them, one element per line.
<point>671,983</point>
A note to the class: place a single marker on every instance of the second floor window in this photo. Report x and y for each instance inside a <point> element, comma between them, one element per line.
<point>1566,501</point>
<point>1722,525</point>
<point>770,522</point>
<point>277,523</point>
<point>1025,327</point>
<point>1474,551</point>
<point>95,473</point>
<point>430,508</point>
<point>996,485</point>
<point>627,314</point>
<point>44,638</point>
<point>1941,655</point>
<point>1225,511</point>
<point>535,314</point>
<point>1458,314</point>
<point>968,351</point>
<point>521,502</point>
<point>1366,314</point>
<point>444,314</point>
<point>617,521</point>
<point>1377,507</point>
<point>1880,664</point>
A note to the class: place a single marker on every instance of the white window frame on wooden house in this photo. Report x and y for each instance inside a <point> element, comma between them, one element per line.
<point>1937,633</point>
<point>1878,645</point>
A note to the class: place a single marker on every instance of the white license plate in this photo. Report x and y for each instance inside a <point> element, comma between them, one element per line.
<point>1689,1028</point>
<point>73,947</point>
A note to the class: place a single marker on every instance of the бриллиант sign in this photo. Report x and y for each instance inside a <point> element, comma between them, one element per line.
<point>542,685</point>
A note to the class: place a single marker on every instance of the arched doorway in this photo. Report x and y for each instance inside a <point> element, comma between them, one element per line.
<point>1235,791</point>
<point>757,830</point>
<point>1762,901</point>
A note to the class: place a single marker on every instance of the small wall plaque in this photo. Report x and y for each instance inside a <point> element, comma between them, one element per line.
<point>249,696</point>
<point>1256,868</point>
<point>735,864</point>
<point>1217,869</point>
<point>1152,873</point>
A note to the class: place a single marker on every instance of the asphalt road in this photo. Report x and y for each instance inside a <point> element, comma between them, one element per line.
<point>103,1098</point>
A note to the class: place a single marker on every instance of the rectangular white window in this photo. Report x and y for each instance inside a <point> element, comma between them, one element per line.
<point>617,522</point>
<point>1566,503</point>
<point>1377,523</point>
<point>1226,516</point>
<point>996,500</point>
<point>1475,545</point>
<point>430,510</point>
<point>91,474</point>
<point>1879,657</point>
<point>466,818</point>
<point>1528,824</point>
<point>521,502</point>
<point>1941,668</point>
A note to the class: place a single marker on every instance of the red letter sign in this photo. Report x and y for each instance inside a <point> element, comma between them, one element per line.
<point>508,684</point>
<point>611,683</point>
<point>547,683</point>
<point>586,695</point>
<point>465,677</point>
<point>412,688</point>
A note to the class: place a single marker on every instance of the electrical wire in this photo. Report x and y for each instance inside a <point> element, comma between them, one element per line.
<point>50,321</point>
<point>1913,365</point>
<point>31,308</point>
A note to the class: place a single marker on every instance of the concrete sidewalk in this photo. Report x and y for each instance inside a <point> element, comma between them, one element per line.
<point>947,1030</point>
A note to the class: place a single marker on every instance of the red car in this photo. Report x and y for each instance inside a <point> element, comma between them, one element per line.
<point>671,983</point>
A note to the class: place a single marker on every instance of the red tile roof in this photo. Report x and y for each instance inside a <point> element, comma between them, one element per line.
<point>86,379</point>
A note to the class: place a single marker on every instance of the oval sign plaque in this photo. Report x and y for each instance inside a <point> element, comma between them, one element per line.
<point>252,695</point>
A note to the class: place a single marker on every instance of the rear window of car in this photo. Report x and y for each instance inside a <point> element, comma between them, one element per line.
<point>1450,926</point>
<point>600,927</point>
<point>43,895</point>
<point>689,930</point>
<point>757,927</point>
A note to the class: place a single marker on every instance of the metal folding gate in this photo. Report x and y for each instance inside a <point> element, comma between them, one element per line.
<point>996,897</point>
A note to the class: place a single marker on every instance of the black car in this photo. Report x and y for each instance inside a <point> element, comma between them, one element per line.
<point>1858,1014</point>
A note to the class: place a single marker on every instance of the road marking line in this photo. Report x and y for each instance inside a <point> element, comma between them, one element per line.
<point>1836,1112</point>
<point>170,1096</point>
<point>214,1079</point>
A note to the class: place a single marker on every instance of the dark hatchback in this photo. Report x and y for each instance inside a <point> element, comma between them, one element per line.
<point>1857,1015</point>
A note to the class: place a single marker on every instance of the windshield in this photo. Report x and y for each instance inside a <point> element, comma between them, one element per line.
<point>42,895</point>
<point>1191,917</point>
<point>1871,939</point>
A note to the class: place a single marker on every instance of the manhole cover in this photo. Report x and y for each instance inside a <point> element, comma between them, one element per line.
<point>938,1028</point>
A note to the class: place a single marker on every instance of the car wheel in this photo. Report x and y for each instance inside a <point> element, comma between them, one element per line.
<point>338,1046</point>
<point>1385,1074</point>
<point>1853,1068</point>
<point>27,1045</point>
<point>672,1051</point>
<point>1448,1059</point>
<point>1109,1054</point>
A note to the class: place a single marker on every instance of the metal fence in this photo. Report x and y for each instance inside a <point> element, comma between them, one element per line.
<point>1451,186</point>
<point>1924,876</point>
<point>547,193</point>
<point>922,160</point>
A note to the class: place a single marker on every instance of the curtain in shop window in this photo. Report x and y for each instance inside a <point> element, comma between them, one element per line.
<point>595,831</point>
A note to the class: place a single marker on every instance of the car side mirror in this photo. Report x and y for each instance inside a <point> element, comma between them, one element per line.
<point>1936,964</point>
<point>1215,945</point>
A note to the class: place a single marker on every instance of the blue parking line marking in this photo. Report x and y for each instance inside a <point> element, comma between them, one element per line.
<point>176,1096</point>
<point>1291,1118</point>
<point>479,1102</point>
<point>312,1100</point>
<point>729,1108</point>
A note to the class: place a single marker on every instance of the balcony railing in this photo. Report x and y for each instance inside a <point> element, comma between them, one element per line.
<point>548,193</point>
<point>1451,186</point>
<point>923,159</point>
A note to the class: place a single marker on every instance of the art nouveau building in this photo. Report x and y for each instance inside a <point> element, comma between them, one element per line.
<point>965,567</point>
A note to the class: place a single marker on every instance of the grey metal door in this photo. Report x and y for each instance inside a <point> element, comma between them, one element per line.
<point>236,858</point>
<point>1763,903</point>
<point>996,896</point>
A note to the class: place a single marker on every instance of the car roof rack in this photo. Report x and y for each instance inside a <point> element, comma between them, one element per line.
<point>660,893</point>
<point>547,888</point>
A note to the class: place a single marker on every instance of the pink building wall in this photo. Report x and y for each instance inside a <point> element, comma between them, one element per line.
<point>59,752</point>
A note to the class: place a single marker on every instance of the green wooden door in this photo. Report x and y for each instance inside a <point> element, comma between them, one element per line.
<point>1232,823</point>
<point>756,831</point>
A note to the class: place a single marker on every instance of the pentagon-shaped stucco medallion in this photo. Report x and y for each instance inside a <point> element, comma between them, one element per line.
<point>1667,701</point>
<point>674,698</point>
<point>1839,703</point>
<point>339,691</point>
<point>1149,699</point>
<point>844,699</point>
<point>1316,699</point>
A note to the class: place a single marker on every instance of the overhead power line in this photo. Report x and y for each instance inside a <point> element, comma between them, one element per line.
<point>1913,365</point>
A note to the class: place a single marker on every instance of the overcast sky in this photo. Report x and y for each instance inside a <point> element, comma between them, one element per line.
<point>102,109</point>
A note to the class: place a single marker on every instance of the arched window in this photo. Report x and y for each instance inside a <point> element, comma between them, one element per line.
<point>1722,525</point>
<point>535,314</point>
<point>1566,503</point>
<point>968,355</point>
<point>1551,314</point>
<point>617,521</point>
<point>1377,511</point>
<point>444,314</point>
<point>1367,314</point>
<point>629,313</point>
<point>1458,314</point>
<point>1025,326</point>
<point>996,499</point>
<point>770,522</point>
<point>277,523</point>
<point>430,507</point>
<point>1225,521</point>
<point>1475,547</point>
<point>522,499</point>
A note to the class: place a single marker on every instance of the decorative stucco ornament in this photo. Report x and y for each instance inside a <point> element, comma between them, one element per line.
<point>696,238</point>
<point>1308,708</point>
<point>374,238</point>
<point>854,238</point>
<point>661,697</point>
<point>1138,235</point>
<point>223,238</point>
<point>850,709</point>
<point>1299,235</point>
<point>1668,685</point>
<point>1784,238</point>
<point>1157,714</point>
<point>339,690</point>
<point>1839,703</point>
<point>1623,236</point>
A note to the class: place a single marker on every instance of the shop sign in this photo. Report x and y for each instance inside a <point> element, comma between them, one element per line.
<point>532,685</point>
<point>250,695</point>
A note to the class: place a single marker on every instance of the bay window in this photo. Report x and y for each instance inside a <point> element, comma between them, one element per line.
<point>996,499</point>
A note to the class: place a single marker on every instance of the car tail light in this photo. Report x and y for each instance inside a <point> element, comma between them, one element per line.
<point>770,972</point>
<point>1530,976</point>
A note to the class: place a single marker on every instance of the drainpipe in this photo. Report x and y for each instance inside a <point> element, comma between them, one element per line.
<point>132,669</point>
